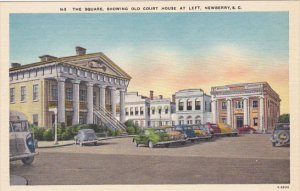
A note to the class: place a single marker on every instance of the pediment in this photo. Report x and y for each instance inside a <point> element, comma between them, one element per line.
<point>99,66</point>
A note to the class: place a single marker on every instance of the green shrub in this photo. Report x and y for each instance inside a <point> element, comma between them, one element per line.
<point>131,130</point>
<point>38,132</point>
<point>48,135</point>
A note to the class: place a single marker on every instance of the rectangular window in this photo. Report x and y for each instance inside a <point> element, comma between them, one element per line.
<point>136,111</point>
<point>82,95</point>
<point>12,95</point>
<point>94,97</point>
<point>254,103</point>
<point>126,111</point>
<point>23,93</point>
<point>189,105</point>
<point>239,104</point>
<point>131,111</point>
<point>35,93</point>
<point>205,106</point>
<point>54,92</point>
<point>198,105</point>
<point>166,111</point>
<point>69,94</point>
<point>141,110</point>
<point>35,119</point>
<point>153,111</point>
<point>224,105</point>
<point>180,107</point>
<point>255,122</point>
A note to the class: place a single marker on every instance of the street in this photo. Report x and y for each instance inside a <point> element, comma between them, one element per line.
<point>247,159</point>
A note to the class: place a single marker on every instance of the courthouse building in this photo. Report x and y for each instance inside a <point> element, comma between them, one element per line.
<point>74,86</point>
<point>254,104</point>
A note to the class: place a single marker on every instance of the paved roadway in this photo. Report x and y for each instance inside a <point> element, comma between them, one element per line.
<point>247,159</point>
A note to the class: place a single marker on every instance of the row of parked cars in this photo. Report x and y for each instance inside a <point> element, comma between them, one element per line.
<point>167,135</point>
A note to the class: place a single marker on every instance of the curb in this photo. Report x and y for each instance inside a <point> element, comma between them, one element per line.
<point>99,139</point>
<point>53,146</point>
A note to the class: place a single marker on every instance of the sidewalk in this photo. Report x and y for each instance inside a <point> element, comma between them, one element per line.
<point>18,180</point>
<point>50,144</point>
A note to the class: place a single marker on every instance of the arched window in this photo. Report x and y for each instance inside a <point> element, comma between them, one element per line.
<point>189,120</point>
<point>197,104</point>
<point>180,105</point>
<point>189,104</point>
<point>198,119</point>
<point>181,120</point>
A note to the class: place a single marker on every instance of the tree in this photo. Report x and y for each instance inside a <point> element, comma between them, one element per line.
<point>284,118</point>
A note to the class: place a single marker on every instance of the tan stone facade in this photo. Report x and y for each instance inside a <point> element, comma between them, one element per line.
<point>254,104</point>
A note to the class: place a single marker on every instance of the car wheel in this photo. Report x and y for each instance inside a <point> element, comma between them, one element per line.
<point>192,140</point>
<point>96,143</point>
<point>28,160</point>
<point>150,144</point>
<point>167,145</point>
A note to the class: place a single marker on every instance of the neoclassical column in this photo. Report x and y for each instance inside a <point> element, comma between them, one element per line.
<point>113,100</point>
<point>61,115</point>
<point>122,105</point>
<point>229,111</point>
<point>261,114</point>
<point>246,111</point>
<point>75,119</point>
<point>90,104</point>
<point>102,95</point>
<point>214,110</point>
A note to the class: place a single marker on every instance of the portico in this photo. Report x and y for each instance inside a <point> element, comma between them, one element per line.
<point>75,85</point>
<point>245,104</point>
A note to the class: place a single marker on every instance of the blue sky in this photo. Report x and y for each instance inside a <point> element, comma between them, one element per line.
<point>180,45</point>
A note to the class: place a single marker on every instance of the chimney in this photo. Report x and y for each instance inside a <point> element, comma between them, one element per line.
<point>151,94</point>
<point>160,96</point>
<point>80,51</point>
<point>173,98</point>
<point>14,65</point>
<point>46,58</point>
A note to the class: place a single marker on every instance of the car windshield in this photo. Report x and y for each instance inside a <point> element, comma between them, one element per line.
<point>159,131</point>
<point>195,127</point>
<point>282,127</point>
<point>19,126</point>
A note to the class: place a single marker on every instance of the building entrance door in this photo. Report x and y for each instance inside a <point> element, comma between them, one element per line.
<point>239,121</point>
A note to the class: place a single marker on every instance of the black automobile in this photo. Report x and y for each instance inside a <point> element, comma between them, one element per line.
<point>187,131</point>
<point>281,134</point>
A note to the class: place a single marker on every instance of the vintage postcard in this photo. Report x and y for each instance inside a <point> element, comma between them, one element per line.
<point>147,95</point>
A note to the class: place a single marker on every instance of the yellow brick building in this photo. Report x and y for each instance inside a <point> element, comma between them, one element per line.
<point>73,86</point>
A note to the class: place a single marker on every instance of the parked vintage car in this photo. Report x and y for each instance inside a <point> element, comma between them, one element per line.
<point>152,137</point>
<point>188,132</point>
<point>213,128</point>
<point>227,130</point>
<point>281,134</point>
<point>173,133</point>
<point>201,131</point>
<point>85,136</point>
<point>246,129</point>
<point>21,141</point>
